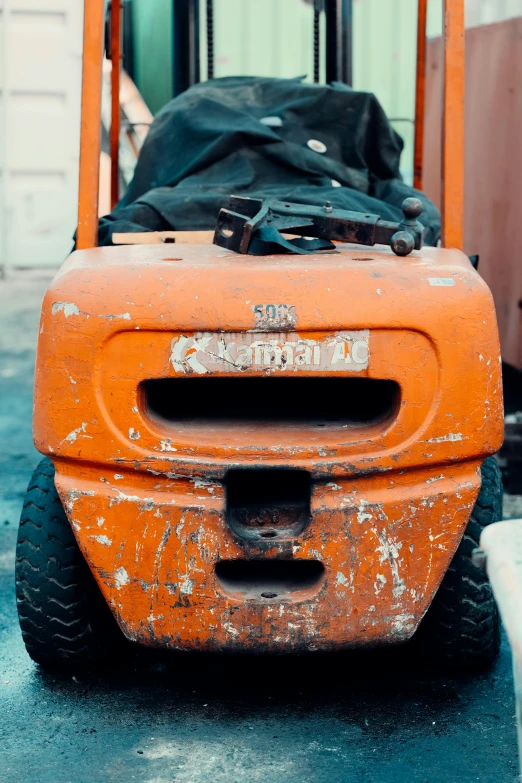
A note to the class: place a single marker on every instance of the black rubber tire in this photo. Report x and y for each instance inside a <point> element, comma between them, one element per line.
<point>461,629</point>
<point>64,619</point>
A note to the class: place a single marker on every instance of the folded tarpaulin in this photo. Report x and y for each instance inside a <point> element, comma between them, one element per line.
<point>282,138</point>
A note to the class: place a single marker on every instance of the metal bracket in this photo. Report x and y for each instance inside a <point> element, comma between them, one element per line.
<point>245,217</point>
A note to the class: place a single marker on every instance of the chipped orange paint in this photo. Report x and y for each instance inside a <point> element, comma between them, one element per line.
<point>146,497</point>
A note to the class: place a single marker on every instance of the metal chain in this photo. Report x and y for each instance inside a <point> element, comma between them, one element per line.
<point>317,43</point>
<point>210,39</point>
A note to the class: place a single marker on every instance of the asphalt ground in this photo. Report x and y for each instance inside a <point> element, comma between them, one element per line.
<point>372,717</point>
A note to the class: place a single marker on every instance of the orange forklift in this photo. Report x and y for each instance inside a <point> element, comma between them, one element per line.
<point>269,454</point>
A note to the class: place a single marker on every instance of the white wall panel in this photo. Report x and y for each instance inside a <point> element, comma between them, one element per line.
<point>40,78</point>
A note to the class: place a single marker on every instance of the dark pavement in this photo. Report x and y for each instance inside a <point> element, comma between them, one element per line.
<point>369,717</point>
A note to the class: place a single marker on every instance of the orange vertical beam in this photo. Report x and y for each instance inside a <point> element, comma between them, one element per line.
<point>90,133</point>
<point>420,93</point>
<point>453,126</point>
<point>116,9</point>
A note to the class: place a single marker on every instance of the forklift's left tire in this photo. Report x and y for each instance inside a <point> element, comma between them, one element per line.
<point>64,619</point>
<point>461,629</point>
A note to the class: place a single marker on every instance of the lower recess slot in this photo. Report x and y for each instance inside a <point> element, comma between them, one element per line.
<point>269,579</point>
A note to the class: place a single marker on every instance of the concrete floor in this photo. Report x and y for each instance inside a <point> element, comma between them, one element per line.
<point>370,717</point>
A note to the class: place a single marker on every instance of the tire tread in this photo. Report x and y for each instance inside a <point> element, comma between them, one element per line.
<point>462,625</point>
<point>63,617</point>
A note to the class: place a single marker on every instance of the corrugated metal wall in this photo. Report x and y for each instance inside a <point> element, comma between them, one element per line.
<point>152,20</point>
<point>384,42</point>
<point>274,38</point>
<point>269,38</point>
<point>252,37</point>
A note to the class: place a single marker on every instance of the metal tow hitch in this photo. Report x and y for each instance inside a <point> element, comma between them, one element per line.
<point>256,226</point>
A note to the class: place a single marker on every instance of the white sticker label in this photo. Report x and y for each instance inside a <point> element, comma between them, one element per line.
<point>441,281</point>
<point>208,352</point>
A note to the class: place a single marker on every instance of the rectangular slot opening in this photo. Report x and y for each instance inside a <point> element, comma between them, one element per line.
<point>269,580</point>
<point>267,504</point>
<point>330,402</point>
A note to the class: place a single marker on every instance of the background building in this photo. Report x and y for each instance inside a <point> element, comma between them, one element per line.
<point>40,80</point>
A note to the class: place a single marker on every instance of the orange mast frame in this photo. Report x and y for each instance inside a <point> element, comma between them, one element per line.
<point>452,130</point>
<point>90,132</point>
<point>453,126</point>
<point>116,9</point>
<point>420,92</point>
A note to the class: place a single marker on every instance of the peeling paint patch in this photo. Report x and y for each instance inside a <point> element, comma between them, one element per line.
<point>100,521</point>
<point>75,494</point>
<point>390,552</point>
<point>186,587</point>
<point>341,579</point>
<point>166,445</point>
<point>362,515</point>
<point>403,623</point>
<point>146,504</point>
<point>122,316</point>
<point>134,434</point>
<point>450,438</point>
<point>72,436</point>
<point>121,578</point>
<point>200,483</point>
<point>380,581</point>
<point>118,476</point>
<point>67,308</point>
<point>102,540</point>
<point>435,478</point>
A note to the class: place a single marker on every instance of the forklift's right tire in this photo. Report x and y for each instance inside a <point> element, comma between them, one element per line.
<point>64,619</point>
<point>461,629</point>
